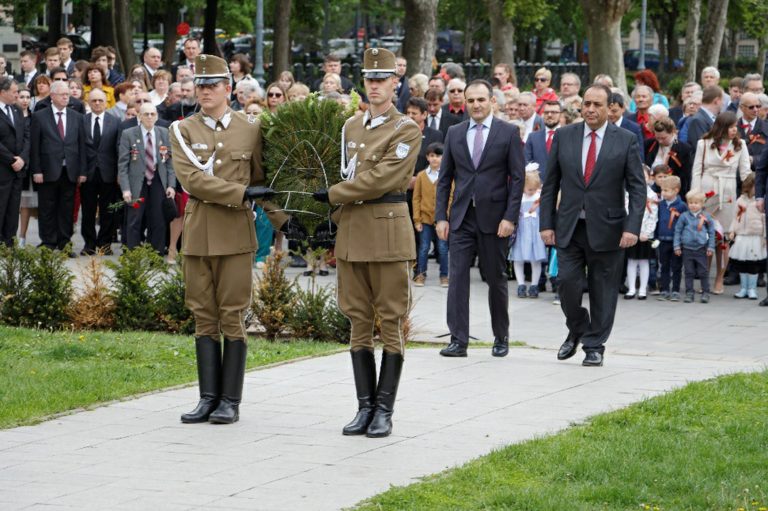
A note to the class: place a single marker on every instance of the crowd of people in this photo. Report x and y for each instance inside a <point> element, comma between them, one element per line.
<point>79,136</point>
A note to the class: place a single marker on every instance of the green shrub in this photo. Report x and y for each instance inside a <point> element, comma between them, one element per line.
<point>339,327</point>
<point>36,287</point>
<point>274,297</point>
<point>172,308</point>
<point>310,319</point>
<point>137,273</point>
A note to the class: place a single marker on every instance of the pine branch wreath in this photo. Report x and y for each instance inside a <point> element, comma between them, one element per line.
<point>302,142</point>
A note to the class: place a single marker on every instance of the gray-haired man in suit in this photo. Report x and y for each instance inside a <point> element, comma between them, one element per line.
<point>591,164</point>
<point>484,159</point>
<point>146,178</point>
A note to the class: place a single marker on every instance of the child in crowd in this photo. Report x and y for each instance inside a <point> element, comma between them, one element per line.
<point>528,246</point>
<point>639,255</point>
<point>748,252</point>
<point>424,197</point>
<point>660,173</point>
<point>670,264</point>
<point>695,241</point>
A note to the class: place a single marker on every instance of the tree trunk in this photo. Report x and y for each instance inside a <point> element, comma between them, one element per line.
<point>170,20</point>
<point>102,33</point>
<point>692,40</point>
<point>209,28</point>
<point>54,21</point>
<point>502,34</point>
<point>469,32</point>
<point>420,35</point>
<point>733,48</point>
<point>658,26</point>
<point>712,38</point>
<point>603,22</point>
<point>122,27</point>
<point>281,51</point>
<point>673,46</point>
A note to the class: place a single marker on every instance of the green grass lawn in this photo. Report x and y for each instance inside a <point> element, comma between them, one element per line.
<point>43,373</point>
<point>703,447</point>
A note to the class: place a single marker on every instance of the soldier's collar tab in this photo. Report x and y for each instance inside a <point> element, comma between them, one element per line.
<point>211,122</point>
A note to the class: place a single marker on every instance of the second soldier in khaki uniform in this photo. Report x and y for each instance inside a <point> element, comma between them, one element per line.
<point>375,242</point>
<point>217,155</point>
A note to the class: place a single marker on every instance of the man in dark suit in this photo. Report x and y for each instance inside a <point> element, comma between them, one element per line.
<point>28,63</point>
<point>752,129</point>
<point>616,111</point>
<point>417,110</point>
<point>100,189</point>
<point>14,154</point>
<point>591,165</point>
<point>403,92</point>
<point>437,118</point>
<point>66,47</point>
<point>191,51</point>
<point>332,64</point>
<point>484,160</point>
<point>539,143</point>
<point>58,163</point>
<point>711,105</point>
<point>456,105</point>
<point>526,109</point>
<point>59,74</point>
<point>761,194</point>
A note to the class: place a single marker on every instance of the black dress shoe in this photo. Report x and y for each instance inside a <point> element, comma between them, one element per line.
<point>323,273</point>
<point>764,302</point>
<point>569,347</point>
<point>500,347</point>
<point>454,350</point>
<point>593,358</point>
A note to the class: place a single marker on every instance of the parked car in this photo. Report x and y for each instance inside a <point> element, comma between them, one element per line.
<point>450,44</point>
<point>652,60</point>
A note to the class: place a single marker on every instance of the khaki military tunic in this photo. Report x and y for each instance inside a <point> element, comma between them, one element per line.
<point>375,242</point>
<point>219,235</point>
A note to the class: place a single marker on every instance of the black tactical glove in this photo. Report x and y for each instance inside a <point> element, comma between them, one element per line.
<point>258,192</point>
<point>321,196</point>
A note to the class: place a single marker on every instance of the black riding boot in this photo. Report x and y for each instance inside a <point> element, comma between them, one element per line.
<point>364,369</point>
<point>389,379</point>
<point>209,376</point>
<point>233,373</point>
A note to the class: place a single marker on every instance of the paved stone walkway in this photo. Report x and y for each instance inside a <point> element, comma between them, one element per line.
<point>287,452</point>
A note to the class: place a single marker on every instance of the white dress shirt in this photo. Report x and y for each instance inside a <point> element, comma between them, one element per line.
<point>588,140</point>
<point>144,133</point>
<point>432,175</point>
<point>473,129</point>
<point>436,117</point>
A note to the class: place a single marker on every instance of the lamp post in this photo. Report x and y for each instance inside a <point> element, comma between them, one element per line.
<point>258,68</point>
<point>641,60</point>
<point>146,26</point>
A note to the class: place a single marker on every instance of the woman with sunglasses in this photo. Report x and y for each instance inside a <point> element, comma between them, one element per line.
<point>542,90</point>
<point>275,96</point>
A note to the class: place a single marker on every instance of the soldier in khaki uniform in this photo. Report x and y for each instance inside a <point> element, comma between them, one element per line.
<point>219,161</point>
<point>375,243</point>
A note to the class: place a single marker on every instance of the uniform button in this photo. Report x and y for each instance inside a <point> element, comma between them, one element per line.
<point>362,145</point>
<point>359,163</point>
<point>243,156</point>
<point>367,127</point>
<point>373,157</point>
<point>200,158</point>
<point>391,214</point>
<point>220,144</point>
<point>218,162</point>
<point>218,128</point>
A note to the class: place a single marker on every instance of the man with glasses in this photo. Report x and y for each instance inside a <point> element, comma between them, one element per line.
<point>58,164</point>
<point>59,74</point>
<point>455,105</point>
<point>217,158</point>
<point>752,130</point>
<point>677,112</point>
<point>570,84</point>
<point>539,143</point>
<point>146,178</point>
<point>99,190</point>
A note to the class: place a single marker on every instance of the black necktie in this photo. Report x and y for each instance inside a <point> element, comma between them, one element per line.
<point>96,133</point>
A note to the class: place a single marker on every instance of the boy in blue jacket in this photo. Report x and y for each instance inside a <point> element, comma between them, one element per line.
<point>695,241</point>
<point>671,207</point>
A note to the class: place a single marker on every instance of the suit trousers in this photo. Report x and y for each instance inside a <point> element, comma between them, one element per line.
<point>96,195</point>
<point>218,292</point>
<point>604,270</point>
<point>367,290</point>
<point>149,213</point>
<point>463,244</point>
<point>10,202</point>
<point>56,204</point>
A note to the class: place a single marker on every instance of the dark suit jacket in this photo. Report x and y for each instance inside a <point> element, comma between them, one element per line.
<point>697,126</point>
<point>680,164</point>
<point>761,178</point>
<point>536,151</point>
<point>49,150</point>
<point>428,136</point>
<point>635,128</point>
<point>20,79</point>
<point>177,112</point>
<point>446,121</point>
<point>71,67</point>
<point>463,117</point>
<point>496,184</point>
<point>74,103</point>
<point>403,95</point>
<point>757,140</point>
<point>14,141</point>
<point>618,168</point>
<point>103,159</point>
<point>676,113</point>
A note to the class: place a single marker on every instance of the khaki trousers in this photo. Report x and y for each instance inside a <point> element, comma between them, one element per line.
<point>369,289</point>
<point>218,292</point>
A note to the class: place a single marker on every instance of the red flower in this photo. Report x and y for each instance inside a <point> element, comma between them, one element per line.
<point>141,199</point>
<point>709,194</point>
<point>135,205</point>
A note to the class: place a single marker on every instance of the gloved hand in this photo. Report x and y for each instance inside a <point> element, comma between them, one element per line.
<point>258,192</point>
<point>321,196</point>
